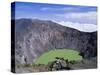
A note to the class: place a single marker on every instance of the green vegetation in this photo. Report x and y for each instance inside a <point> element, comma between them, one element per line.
<point>69,54</point>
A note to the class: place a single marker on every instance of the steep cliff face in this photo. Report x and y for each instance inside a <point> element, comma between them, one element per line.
<point>34,37</point>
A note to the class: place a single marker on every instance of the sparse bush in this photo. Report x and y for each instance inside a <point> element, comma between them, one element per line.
<point>26,65</point>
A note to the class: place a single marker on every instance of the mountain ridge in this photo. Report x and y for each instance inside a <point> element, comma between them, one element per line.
<point>39,20</point>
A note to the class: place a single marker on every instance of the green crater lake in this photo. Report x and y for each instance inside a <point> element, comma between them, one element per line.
<point>71,55</point>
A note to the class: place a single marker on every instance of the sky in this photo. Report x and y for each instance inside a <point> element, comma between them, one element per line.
<point>83,18</point>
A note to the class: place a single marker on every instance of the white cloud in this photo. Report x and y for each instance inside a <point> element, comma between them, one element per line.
<point>83,21</point>
<point>58,9</point>
<point>79,26</point>
<point>82,17</point>
<point>45,8</point>
<point>89,15</point>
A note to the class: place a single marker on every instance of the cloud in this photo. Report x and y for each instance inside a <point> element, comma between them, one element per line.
<point>81,17</point>
<point>50,9</point>
<point>80,26</point>
<point>83,21</point>
<point>45,8</point>
<point>69,9</point>
<point>90,15</point>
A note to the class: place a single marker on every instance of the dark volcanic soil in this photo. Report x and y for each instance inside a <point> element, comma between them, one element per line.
<point>85,64</point>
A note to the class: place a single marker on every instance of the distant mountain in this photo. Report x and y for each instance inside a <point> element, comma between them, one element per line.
<point>34,37</point>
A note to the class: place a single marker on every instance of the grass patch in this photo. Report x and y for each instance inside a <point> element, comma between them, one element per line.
<point>69,54</point>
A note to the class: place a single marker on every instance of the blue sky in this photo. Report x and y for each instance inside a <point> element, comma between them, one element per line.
<point>63,14</point>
